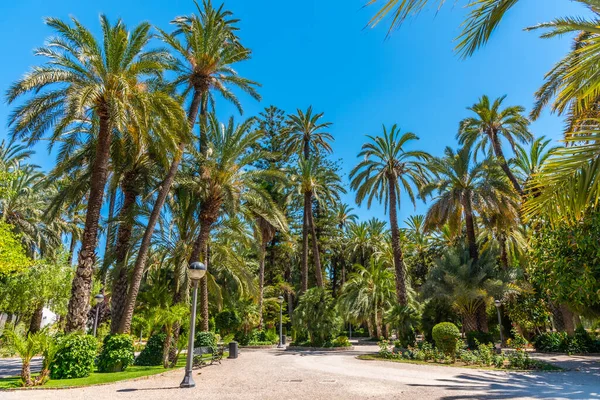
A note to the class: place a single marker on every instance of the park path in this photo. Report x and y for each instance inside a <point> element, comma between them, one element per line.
<point>277,374</point>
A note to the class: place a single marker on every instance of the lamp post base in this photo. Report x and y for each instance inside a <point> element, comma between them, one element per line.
<point>187,382</point>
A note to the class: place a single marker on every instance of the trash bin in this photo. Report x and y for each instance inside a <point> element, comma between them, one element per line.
<point>283,338</point>
<point>233,350</point>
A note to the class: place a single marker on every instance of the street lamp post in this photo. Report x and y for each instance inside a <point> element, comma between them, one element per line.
<point>197,270</point>
<point>280,301</point>
<point>498,303</point>
<point>99,299</point>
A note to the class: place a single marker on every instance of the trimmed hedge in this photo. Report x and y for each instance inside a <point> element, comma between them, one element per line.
<point>117,353</point>
<point>446,336</point>
<point>75,356</point>
<point>153,352</point>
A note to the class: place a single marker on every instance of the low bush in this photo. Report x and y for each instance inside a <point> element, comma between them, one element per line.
<point>153,352</point>
<point>560,342</point>
<point>341,341</point>
<point>206,339</point>
<point>117,353</point>
<point>74,357</point>
<point>475,337</point>
<point>446,336</point>
<point>517,341</point>
<point>227,321</point>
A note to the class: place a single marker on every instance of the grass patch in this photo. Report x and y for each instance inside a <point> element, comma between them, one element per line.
<point>544,366</point>
<point>97,378</point>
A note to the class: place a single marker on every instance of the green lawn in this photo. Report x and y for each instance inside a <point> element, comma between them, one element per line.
<point>544,366</point>
<point>96,378</point>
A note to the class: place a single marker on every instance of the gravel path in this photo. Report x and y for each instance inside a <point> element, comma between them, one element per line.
<point>276,374</point>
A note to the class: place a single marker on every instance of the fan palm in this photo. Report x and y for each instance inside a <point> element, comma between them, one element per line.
<point>314,182</point>
<point>463,188</point>
<point>204,63</point>
<point>491,124</point>
<point>102,83</point>
<point>386,168</point>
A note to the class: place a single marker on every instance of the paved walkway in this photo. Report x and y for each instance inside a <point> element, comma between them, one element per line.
<point>276,374</point>
<point>12,366</point>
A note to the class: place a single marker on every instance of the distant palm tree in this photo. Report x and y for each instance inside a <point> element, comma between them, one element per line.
<point>204,63</point>
<point>463,188</point>
<point>98,83</point>
<point>385,169</point>
<point>491,125</point>
<point>306,134</point>
<point>314,182</point>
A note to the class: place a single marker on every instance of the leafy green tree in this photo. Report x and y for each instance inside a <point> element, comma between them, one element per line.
<point>490,125</point>
<point>97,83</point>
<point>13,257</point>
<point>385,169</point>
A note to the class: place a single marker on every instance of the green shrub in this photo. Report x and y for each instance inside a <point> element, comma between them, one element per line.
<point>518,341</point>
<point>227,321</point>
<point>75,356</point>
<point>205,339</point>
<point>519,359</point>
<point>153,352</point>
<point>316,315</point>
<point>117,353</point>
<point>446,336</point>
<point>485,354</point>
<point>341,341</point>
<point>549,342</point>
<point>475,337</point>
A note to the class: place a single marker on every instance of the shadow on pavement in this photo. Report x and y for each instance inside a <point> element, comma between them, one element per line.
<point>127,390</point>
<point>549,385</point>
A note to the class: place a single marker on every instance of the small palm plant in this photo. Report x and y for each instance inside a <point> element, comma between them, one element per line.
<point>27,346</point>
<point>169,316</point>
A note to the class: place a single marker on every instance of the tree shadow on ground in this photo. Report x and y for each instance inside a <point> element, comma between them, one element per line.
<point>549,385</point>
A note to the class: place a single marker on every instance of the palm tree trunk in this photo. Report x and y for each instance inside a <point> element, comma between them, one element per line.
<point>109,234</point>
<point>36,319</point>
<point>26,373</point>
<point>396,248</point>
<point>204,294</point>
<point>315,246</point>
<point>334,275</point>
<point>469,322</point>
<point>119,291</point>
<point>470,224</point>
<point>79,303</point>
<point>482,321</point>
<point>165,188</point>
<point>504,165</point>
<point>166,347</point>
<point>261,279</point>
<point>503,252</point>
<point>304,286</point>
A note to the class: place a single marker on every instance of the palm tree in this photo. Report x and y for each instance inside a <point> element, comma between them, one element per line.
<point>468,284</point>
<point>464,188</point>
<point>492,123</point>
<point>483,18</point>
<point>204,64</point>
<point>314,182</point>
<point>168,317</point>
<point>102,83</point>
<point>386,168</point>
<point>529,162</point>
<point>306,135</point>
<point>224,181</point>
<point>368,294</point>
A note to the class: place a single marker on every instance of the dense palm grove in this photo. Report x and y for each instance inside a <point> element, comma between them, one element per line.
<point>145,162</point>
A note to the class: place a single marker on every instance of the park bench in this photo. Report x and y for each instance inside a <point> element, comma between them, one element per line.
<point>216,355</point>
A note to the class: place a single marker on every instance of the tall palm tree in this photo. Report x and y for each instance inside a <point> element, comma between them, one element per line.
<point>385,169</point>
<point>102,83</point>
<point>490,125</point>
<point>204,63</point>
<point>306,134</point>
<point>463,188</point>
<point>223,181</point>
<point>314,182</point>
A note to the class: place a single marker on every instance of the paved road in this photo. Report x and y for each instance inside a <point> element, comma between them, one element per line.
<point>276,374</point>
<point>12,366</point>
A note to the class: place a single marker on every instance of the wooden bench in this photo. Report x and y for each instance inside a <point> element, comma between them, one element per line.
<point>216,355</point>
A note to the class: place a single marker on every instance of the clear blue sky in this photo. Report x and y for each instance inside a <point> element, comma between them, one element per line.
<point>317,52</point>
